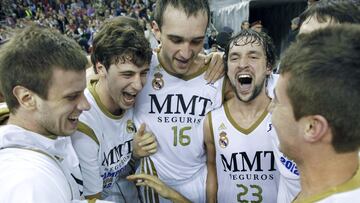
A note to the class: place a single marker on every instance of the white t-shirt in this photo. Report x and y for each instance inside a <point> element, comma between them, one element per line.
<point>34,168</point>
<point>103,143</point>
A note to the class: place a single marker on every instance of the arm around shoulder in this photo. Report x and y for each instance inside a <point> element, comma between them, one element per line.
<point>211,181</point>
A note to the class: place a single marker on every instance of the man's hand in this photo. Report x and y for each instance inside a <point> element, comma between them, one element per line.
<point>156,184</point>
<point>144,143</point>
<point>216,66</point>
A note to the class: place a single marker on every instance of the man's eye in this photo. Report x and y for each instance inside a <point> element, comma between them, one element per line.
<point>176,41</point>
<point>71,97</point>
<point>197,42</point>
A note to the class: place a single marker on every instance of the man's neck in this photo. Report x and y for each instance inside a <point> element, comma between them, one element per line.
<point>106,100</point>
<point>319,175</point>
<point>247,113</point>
<point>29,123</point>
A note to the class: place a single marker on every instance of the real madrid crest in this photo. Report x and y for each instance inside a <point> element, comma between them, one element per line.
<point>158,82</point>
<point>130,126</point>
<point>223,140</point>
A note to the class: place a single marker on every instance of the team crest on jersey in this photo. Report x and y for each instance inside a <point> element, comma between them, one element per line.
<point>158,82</point>
<point>223,140</point>
<point>130,126</point>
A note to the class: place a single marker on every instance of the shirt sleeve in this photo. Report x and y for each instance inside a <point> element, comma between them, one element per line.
<point>87,150</point>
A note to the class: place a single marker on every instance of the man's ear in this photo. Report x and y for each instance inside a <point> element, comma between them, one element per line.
<point>316,128</point>
<point>25,97</point>
<point>101,70</point>
<point>156,30</point>
<point>268,69</point>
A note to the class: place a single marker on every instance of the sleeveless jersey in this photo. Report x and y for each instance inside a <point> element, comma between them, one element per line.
<point>103,143</point>
<point>245,162</point>
<point>172,108</point>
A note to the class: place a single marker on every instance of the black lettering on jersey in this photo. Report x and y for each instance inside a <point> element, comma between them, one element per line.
<point>79,182</point>
<point>182,105</point>
<point>270,127</point>
<point>117,152</point>
<point>241,161</point>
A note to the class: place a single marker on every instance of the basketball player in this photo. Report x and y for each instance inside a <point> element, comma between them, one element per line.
<point>106,141</point>
<point>320,15</point>
<point>314,113</point>
<point>42,76</point>
<point>175,99</point>
<point>245,159</point>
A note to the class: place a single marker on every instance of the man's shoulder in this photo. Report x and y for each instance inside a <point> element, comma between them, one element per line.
<point>30,174</point>
<point>345,196</point>
<point>27,163</point>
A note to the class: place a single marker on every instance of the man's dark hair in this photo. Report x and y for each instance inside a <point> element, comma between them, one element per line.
<point>253,37</point>
<point>120,40</point>
<point>324,79</point>
<point>29,60</point>
<point>340,11</point>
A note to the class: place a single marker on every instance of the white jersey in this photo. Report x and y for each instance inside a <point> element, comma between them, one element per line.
<point>103,143</point>
<point>172,108</point>
<point>34,168</point>
<point>289,183</point>
<point>245,161</point>
<point>346,192</point>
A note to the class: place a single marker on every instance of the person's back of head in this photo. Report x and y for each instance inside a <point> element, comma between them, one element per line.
<point>191,8</point>
<point>29,60</point>
<point>334,11</point>
<point>324,80</point>
<point>252,37</point>
<point>120,40</point>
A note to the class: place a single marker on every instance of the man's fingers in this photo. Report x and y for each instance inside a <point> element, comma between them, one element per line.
<point>141,130</point>
<point>146,139</point>
<point>207,61</point>
<point>152,148</point>
<point>142,176</point>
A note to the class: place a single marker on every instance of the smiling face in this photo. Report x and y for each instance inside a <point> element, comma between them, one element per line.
<point>181,37</point>
<point>59,113</point>
<point>122,83</point>
<point>247,69</point>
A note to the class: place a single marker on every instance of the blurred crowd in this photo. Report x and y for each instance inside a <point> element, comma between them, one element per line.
<point>78,19</point>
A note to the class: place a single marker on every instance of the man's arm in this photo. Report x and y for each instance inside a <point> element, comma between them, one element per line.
<point>156,184</point>
<point>211,182</point>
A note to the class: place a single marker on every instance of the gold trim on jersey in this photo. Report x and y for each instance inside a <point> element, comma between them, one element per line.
<point>93,200</point>
<point>93,92</point>
<point>183,77</point>
<point>353,183</point>
<point>148,167</point>
<point>82,127</point>
<point>239,128</point>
